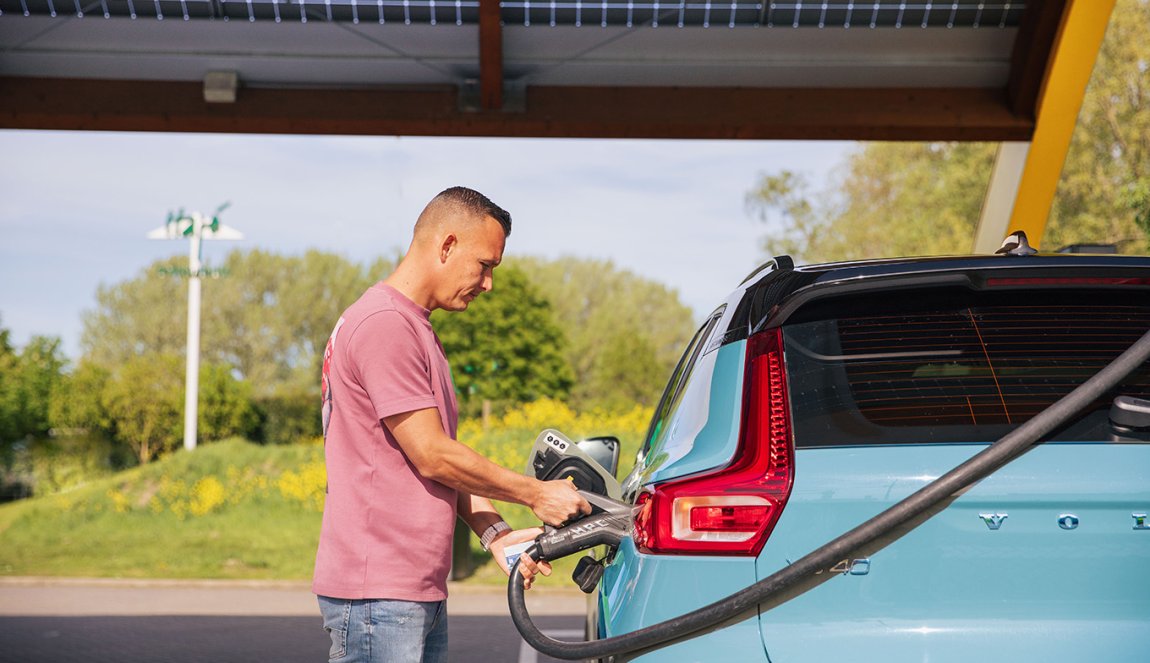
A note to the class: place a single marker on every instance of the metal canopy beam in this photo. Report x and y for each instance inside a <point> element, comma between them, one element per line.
<point>551,111</point>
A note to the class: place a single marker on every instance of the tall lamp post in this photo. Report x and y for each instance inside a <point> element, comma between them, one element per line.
<point>194,227</point>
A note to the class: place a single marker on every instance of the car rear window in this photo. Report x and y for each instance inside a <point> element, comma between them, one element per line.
<point>955,366</point>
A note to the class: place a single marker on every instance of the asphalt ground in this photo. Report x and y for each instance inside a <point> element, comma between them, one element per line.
<point>101,621</point>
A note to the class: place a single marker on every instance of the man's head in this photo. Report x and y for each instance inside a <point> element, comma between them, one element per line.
<point>459,239</point>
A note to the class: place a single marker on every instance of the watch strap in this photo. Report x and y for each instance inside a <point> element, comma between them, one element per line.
<point>491,532</point>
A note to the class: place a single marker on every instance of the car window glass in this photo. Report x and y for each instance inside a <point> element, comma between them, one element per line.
<point>672,396</point>
<point>957,370</point>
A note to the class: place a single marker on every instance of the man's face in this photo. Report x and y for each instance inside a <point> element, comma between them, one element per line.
<point>468,269</point>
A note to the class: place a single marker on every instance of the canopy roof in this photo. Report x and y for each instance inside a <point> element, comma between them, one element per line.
<point>962,70</point>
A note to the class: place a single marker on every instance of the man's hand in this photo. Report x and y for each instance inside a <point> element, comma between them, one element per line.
<point>556,502</point>
<point>527,566</point>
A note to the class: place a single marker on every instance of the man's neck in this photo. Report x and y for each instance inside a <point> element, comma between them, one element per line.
<point>403,280</point>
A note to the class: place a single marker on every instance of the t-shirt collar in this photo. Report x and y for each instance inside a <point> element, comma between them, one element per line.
<point>402,300</point>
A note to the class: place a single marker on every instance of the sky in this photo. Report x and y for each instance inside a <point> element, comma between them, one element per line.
<point>75,206</point>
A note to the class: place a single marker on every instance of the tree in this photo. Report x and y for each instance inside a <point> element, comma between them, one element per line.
<point>11,427</point>
<point>226,407</point>
<point>896,199</point>
<point>143,403</point>
<point>29,381</point>
<point>625,372</point>
<point>269,317</point>
<point>600,306</point>
<point>80,401</point>
<point>904,199</point>
<point>144,399</point>
<point>1104,193</point>
<point>506,348</point>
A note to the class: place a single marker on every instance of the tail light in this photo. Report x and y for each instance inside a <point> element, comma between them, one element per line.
<point>731,511</point>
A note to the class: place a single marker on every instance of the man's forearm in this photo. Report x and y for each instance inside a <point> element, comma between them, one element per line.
<point>440,458</point>
<point>457,465</point>
<point>478,512</point>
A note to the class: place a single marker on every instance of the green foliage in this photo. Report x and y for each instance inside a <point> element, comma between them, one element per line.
<point>625,372</point>
<point>289,416</point>
<point>269,317</point>
<point>906,199</point>
<point>141,403</point>
<point>507,439</point>
<point>600,308</point>
<point>226,408</point>
<point>11,426</point>
<point>896,199</point>
<point>81,403</point>
<point>55,463</point>
<point>30,380</point>
<point>146,315</point>
<point>1104,193</point>
<point>505,348</point>
<point>247,512</point>
<point>264,327</point>
<point>144,399</point>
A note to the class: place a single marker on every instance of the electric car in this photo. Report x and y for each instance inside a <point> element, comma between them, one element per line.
<point>815,397</point>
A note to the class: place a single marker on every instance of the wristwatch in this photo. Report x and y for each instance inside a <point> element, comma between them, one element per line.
<point>490,533</point>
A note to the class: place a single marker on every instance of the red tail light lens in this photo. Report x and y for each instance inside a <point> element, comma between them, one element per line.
<point>731,518</point>
<point>733,510</point>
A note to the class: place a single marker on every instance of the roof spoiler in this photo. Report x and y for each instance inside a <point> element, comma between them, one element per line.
<point>778,263</point>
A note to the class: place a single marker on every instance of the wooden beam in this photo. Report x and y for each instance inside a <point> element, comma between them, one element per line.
<point>490,56</point>
<point>1032,49</point>
<point>584,112</point>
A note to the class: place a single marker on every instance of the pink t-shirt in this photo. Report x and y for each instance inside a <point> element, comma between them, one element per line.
<point>386,530</point>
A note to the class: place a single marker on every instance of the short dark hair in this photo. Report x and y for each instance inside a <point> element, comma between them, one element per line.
<point>475,203</point>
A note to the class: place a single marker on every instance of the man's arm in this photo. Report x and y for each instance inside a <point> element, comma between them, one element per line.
<point>438,457</point>
<point>479,514</point>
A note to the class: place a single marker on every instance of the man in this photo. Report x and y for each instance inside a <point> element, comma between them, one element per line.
<point>397,478</point>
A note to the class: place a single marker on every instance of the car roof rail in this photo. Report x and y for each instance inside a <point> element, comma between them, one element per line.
<point>783,263</point>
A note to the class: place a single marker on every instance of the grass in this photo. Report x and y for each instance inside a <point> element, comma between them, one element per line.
<point>236,510</point>
<point>170,519</point>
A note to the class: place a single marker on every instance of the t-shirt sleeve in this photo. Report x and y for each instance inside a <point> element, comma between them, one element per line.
<point>392,364</point>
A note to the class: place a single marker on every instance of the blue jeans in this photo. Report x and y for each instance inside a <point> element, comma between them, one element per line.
<point>385,631</point>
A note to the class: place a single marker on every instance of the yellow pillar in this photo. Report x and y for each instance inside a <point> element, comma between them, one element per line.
<point>1075,50</point>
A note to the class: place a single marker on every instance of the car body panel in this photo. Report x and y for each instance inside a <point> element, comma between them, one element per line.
<point>954,589</point>
<point>635,592</point>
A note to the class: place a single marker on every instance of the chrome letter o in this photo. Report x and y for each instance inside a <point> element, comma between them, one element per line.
<point>1068,521</point>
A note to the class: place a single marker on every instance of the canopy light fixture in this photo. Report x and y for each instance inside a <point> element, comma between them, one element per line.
<point>220,87</point>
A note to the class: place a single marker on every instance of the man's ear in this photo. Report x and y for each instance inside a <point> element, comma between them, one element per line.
<point>448,246</point>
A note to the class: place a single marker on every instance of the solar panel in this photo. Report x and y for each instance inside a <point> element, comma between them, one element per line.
<point>969,14</point>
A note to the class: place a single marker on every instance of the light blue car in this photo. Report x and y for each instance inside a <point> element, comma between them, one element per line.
<point>816,397</point>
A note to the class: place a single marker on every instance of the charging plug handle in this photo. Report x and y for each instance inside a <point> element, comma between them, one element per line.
<point>608,523</point>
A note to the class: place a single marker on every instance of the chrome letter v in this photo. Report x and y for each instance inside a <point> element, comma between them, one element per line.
<point>993,520</point>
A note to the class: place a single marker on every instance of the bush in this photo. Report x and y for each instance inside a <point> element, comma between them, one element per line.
<point>508,439</point>
<point>289,417</point>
